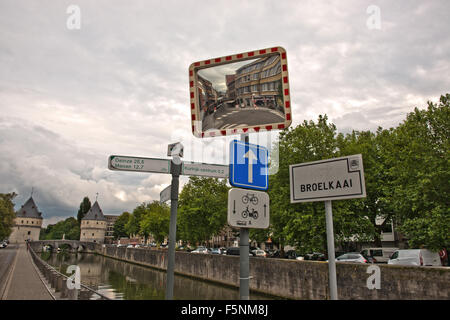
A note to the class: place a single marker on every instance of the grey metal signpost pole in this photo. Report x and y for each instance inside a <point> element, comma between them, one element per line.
<point>331,258</point>
<point>244,272</point>
<point>175,170</point>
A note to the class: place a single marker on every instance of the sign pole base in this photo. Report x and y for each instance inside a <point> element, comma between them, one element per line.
<point>331,258</point>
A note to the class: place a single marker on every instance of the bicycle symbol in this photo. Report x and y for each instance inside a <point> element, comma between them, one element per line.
<point>250,197</point>
<point>253,214</point>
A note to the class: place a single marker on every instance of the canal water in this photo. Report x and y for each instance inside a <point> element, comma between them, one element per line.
<point>126,281</point>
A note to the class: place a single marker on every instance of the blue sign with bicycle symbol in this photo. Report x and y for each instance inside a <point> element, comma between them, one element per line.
<point>248,165</point>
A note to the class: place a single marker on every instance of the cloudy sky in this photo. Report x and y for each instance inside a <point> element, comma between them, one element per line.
<point>69,98</point>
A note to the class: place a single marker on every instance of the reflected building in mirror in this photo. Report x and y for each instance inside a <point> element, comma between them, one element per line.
<point>258,84</point>
<point>207,96</point>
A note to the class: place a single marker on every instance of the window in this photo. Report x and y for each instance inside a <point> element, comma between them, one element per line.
<point>377,253</point>
<point>92,234</point>
<point>29,232</point>
<point>395,255</point>
<point>32,222</point>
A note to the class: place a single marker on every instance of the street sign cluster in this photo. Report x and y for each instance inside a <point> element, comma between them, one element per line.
<point>248,170</point>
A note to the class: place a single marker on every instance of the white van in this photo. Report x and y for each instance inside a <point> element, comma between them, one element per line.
<point>381,255</point>
<point>415,257</point>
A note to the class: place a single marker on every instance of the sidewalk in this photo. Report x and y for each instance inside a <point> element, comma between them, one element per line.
<point>24,283</point>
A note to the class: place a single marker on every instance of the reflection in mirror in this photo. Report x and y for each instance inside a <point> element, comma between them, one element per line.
<point>241,94</point>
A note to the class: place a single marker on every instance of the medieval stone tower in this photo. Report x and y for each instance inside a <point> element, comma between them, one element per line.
<point>28,223</point>
<point>93,225</point>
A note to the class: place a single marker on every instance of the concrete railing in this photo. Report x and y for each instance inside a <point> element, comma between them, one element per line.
<point>59,281</point>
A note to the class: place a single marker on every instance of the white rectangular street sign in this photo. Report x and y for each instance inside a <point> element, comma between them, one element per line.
<point>125,163</point>
<point>248,208</point>
<point>204,169</point>
<point>165,194</point>
<point>331,179</point>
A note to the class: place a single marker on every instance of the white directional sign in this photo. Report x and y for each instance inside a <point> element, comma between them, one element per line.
<point>126,163</point>
<point>248,209</point>
<point>204,169</point>
<point>165,194</point>
<point>332,179</point>
<point>137,164</point>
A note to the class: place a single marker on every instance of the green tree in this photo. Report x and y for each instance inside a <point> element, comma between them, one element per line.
<point>419,186</point>
<point>133,226</point>
<point>302,225</point>
<point>85,205</point>
<point>69,228</point>
<point>202,209</point>
<point>119,229</point>
<point>7,214</point>
<point>374,150</point>
<point>156,221</point>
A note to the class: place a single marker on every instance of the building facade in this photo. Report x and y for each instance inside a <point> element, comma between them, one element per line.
<point>259,83</point>
<point>94,225</point>
<point>27,224</point>
<point>109,234</point>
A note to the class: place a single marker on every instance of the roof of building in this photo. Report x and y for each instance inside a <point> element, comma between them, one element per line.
<point>94,213</point>
<point>29,210</point>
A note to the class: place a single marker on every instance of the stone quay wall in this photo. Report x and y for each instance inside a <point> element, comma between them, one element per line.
<point>293,279</point>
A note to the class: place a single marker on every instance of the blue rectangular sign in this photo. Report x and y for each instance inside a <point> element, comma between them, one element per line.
<point>248,165</point>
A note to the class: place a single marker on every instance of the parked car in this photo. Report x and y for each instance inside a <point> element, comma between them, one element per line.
<point>218,250</point>
<point>259,253</point>
<point>381,255</point>
<point>352,257</point>
<point>235,251</point>
<point>273,253</point>
<point>121,245</point>
<point>415,257</point>
<point>215,251</point>
<point>201,250</point>
<point>3,245</point>
<point>315,256</point>
<point>292,254</point>
<point>130,246</point>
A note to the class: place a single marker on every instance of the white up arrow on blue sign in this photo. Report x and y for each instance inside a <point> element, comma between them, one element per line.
<point>248,165</point>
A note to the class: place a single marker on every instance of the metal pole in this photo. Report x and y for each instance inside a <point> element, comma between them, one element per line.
<point>331,258</point>
<point>175,169</point>
<point>244,268</point>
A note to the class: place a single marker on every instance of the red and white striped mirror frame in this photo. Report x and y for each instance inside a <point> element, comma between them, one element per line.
<point>193,92</point>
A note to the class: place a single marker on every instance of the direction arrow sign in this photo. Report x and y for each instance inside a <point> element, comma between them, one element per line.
<point>125,163</point>
<point>204,169</point>
<point>248,209</point>
<point>248,165</point>
<point>165,194</point>
<point>332,179</point>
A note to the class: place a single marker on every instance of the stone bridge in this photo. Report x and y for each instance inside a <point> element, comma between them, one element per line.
<point>75,245</point>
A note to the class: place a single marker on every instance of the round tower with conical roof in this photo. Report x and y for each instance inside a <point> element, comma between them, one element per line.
<point>93,225</point>
<point>27,224</point>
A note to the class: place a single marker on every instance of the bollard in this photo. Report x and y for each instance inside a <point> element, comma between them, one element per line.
<point>54,281</point>
<point>64,289</point>
<point>59,283</point>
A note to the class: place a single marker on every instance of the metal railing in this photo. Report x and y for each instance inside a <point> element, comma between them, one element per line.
<point>59,282</point>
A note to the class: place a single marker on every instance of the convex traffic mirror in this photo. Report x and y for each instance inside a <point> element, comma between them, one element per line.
<point>240,93</point>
